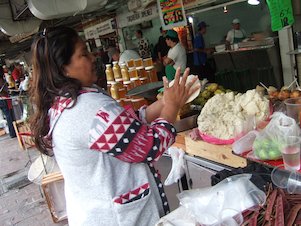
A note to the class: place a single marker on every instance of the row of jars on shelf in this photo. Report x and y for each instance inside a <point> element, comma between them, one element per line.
<point>119,88</point>
<point>127,73</point>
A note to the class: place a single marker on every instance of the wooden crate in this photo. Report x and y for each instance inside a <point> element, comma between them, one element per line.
<point>53,188</point>
<point>25,141</point>
<point>2,132</point>
<point>216,153</point>
<point>180,140</point>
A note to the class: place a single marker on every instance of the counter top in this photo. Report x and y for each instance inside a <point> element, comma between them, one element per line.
<point>217,153</point>
<point>245,49</point>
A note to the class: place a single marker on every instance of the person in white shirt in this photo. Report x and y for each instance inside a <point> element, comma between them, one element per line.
<point>176,56</point>
<point>115,55</point>
<point>235,35</point>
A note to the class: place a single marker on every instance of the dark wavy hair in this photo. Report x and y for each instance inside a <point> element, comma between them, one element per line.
<point>51,51</point>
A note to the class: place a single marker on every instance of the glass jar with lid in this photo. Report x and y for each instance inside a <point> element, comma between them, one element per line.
<point>121,89</point>
<point>128,85</point>
<point>138,62</point>
<point>114,90</point>
<point>151,73</point>
<point>109,72</point>
<point>116,70</point>
<point>144,80</point>
<point>138,103</point>
<point>131,63</point>
<point>141,71</point>
<point>135,82</point>
<point>133,73</point>
<point>124,72</point>
<point>148,62</point>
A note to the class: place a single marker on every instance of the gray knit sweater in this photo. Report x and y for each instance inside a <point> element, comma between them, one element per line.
<point>98,184</point>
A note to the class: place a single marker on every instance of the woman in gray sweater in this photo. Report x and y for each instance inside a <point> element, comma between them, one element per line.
<point>105,152</point>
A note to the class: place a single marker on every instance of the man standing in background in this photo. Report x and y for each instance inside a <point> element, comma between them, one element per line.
<point>176,56</point>
<point>200,53</point>
<point>235,35</point>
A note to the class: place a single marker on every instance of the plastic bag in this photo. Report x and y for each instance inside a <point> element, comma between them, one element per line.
<point>178,217</point>
<point>268,143</point>
<point>223,203</point>
<point>177,169</point>
<point>245,143</point>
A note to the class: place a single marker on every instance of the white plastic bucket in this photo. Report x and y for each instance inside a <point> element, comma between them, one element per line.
<point>37,171</point>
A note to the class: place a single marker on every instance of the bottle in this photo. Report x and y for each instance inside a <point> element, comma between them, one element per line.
<point>109,72</point>
<point>151,74</point>
<point>114,90</point>
<point>133,72</point>
<point>125,72</point>
<point>116,70</point>
<point>141,71</point>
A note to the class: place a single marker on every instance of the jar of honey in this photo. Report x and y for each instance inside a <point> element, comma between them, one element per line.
<point>138,62</point>
<point>144,80</point>
<point>128,85</point>
<point>131,63</point>
<point>116,70</point>
<point>121,90</point>
<point>151,73</point>
<point>109,72</point>
<point>141,71</point>
<point>114,90</point>
<point>127,101</point>
<point>148,62</point>
<point>125,73</point>
<point>138,103</point>
<point>133,73</point>
<point>135,82</point>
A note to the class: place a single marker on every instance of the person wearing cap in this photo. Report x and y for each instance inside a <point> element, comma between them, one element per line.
<point>176,56</point>
<point>235,35</point>
<point>200,53</point>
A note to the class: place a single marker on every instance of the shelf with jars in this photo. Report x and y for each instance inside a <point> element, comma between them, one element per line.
<point>124,77</point>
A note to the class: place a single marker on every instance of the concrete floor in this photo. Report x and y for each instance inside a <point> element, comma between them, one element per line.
<point>21,202</point>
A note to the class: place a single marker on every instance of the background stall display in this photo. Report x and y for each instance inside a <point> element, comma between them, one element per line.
<point>121,79</point>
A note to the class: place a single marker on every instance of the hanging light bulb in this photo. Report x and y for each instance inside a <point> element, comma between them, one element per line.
<point>225,9</point>
<point>253,2</point>
<point>190,19</point>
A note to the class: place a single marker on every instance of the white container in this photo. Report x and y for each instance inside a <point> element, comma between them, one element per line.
<point>37,170</point>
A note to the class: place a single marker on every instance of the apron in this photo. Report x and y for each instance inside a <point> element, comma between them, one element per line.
<point>237,40</point>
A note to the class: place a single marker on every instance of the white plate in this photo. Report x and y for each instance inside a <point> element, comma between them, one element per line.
<point>196,93</point>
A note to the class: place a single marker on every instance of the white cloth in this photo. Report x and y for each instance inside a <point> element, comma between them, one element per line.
<point>235,34</point>
<point>127,55</point>
<point>178,55</point>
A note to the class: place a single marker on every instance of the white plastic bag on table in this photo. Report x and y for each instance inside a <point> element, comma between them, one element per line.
<point>268,143</point>
<point>223,203</point>
<point>178,217</point>
<point>177,169</point>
